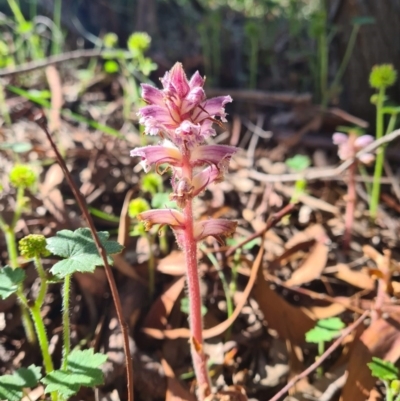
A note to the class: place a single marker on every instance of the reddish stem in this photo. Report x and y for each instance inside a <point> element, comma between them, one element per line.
<point>350,205</point>
<point>189,245</point>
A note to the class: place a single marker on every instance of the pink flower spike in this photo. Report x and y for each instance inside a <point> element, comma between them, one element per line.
<point>207,176</point>
<point>157,155</point>
<point>363,141</point>
<point>219,155</point>
<point>211,108</point>
<point>152,95</point>
<point>215,227</point>
<point>162,216</point>
<point>196,80</point>
<point>176,78</point>
<point>339,139</point>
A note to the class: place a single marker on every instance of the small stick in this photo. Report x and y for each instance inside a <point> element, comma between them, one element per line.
<point>321,359</point>
<point>40,120</point>
<point>272,221</point>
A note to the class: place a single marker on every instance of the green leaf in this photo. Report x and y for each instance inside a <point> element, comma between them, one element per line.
<point>22,147</point>
<point>11,385</point>
<point>383,370</point>
<point>325,330</point>
<point>185,307</point>
<point>151,182</point>
<point>10,279</point>
<point>363,20</point>
<point>162,200</point>
<point>298,163</point>
<point>82,370</point>
<point>79,250</point>
<point>111,67</point>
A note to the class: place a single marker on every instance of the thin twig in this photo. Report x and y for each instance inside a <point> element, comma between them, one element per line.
<point>40,119</point>
<point>274,219</point>
<point>321,359</point>
<point>316,174</point>
<point>53,60</point>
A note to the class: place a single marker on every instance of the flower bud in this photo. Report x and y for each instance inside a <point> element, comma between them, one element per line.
<point>33,245</point>
<point>382,76</point>
<point>22,176</point>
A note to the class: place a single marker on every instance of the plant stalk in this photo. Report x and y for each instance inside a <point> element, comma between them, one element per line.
<point>376,185</point>
<point>66,321</point>
<point>192,275</point>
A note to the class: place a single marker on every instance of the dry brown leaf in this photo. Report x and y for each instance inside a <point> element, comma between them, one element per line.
<point>55,85</point>
<point>312,267</point>
<point>175,391</point>
<point>290,322</point>
<point>311,233</point>
<point>157,318</point>
<point>380,339</point>
<point>126,268</point>
<point>359,279</point>
<point>323,312</point>
<point>173,264</point>
<point>52,198</point>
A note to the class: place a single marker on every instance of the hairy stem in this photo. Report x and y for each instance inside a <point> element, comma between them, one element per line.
<point>66,320</point>
<point>13,257</point>
<point>192,275</point>
<point>376,185</point>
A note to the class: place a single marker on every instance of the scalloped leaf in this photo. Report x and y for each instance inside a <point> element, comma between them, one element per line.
<point>79,250</point>
<point>325,330</point>
<point>383,370</point>
<point>82,371</point>
<point>11,386</point>
<point>10,279</point>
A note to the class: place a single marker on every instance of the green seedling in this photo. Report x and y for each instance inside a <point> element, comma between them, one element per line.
<point>389,375</point>
<point>23,179</point>
<point>298,164</point>
<point>137,206</point>
<point>78,367</point>
<point>382,77</point>
<point>324,331</point>
<point>323,33</point>
<point>133,65</point>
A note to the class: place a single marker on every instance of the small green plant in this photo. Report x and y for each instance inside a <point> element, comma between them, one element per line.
<point>152,184</point>
<point>389,374</point>
<point>79,254</point>
<point>298,164</point>
<point>324,331</point>
<point>381,77</point>
<point>133,65</point>
<point>323,33</point>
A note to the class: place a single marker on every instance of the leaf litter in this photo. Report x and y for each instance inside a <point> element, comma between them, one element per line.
<point>297,275</point>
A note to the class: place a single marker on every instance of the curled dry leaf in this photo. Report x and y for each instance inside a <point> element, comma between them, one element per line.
<point>175,391</point>
<point>381,339</point>
<point>359,279</point>
<point>52,198</point>
<point>315,262</point>
<point>173,264</point>
<point>157,318</point>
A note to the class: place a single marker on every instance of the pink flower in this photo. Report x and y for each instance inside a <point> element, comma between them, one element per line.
<point>347,147</point>
<point>180,110</point>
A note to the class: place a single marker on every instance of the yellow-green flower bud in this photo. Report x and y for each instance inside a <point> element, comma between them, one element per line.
<point>22,176</point>
<point>382,76</point>
<point>137,206</point>
<point>33,245</point>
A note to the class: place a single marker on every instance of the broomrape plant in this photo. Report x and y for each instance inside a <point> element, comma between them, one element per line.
<point>182,116</point>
